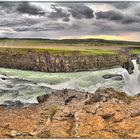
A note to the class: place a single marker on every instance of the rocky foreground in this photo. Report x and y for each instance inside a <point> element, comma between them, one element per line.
<point>73,114</point>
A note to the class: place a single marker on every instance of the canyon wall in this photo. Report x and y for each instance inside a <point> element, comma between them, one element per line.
<point>46,62</point>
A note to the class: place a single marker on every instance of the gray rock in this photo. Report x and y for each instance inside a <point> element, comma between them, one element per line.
<point>10,103</point>
<point>113,76</point>
<point>129,66</point>
<point>42,98</point>
<point>103,95</point>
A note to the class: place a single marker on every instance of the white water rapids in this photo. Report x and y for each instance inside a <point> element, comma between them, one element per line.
<point>25,86</point>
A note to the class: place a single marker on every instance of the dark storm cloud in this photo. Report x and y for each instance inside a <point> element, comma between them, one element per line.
<point>68,19</point>
<point>6,4</point>
<point>27,8</point>
<point>110,15</point>
<point>114,28</point>
<point>117,16</point>
<point>19,22</point>
<point>130,19</point>
<point>136,10</point>
<point>38,28</point>
<point>21,7</point>
<point>122,5</point>
<point>8,7</point>
<point>79,10</point>
<point>65,10</point>
<point>59,13</point>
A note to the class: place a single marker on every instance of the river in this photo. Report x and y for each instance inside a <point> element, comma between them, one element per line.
<point>25,86</point>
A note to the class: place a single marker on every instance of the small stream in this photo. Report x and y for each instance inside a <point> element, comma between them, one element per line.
<point>25,86</point>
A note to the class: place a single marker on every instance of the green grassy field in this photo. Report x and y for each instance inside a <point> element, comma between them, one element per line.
<point>57,51</point>
<point>67,46</point>
<point>135,51</point>
<point>75,42</point>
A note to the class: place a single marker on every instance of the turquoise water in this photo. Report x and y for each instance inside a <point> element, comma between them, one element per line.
<point>27,85</point>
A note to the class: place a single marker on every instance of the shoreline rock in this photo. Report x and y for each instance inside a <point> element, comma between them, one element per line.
<point>117,77</point>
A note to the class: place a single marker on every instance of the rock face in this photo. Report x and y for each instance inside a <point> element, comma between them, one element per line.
<point>46,62</point>
<point>105,114</point>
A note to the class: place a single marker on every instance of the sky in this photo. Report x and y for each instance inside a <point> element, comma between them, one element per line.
<point>105,20</point>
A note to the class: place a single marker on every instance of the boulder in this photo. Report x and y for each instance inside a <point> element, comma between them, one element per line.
<point>129,66</point>
<point>103,95</point>
<point>42,98</point>
<point>138,60</point>
<point>3,78</point>
<point>113,76</point>
<point>10,103</point>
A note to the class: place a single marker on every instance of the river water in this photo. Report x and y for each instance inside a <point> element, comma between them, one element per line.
<point>25,86</point>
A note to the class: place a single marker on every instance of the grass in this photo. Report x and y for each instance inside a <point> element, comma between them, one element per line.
<point>66,42</point>
<point>50,110</point>
<point>135,51</point>
<point>57,51</point>
<point>66,47</point>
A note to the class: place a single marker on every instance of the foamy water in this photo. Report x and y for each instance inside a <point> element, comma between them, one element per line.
<point>132,82</point>
<point>27,85</point>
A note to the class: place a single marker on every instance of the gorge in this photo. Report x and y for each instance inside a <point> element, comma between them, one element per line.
<point>54,93</point>
<point>70,105</point>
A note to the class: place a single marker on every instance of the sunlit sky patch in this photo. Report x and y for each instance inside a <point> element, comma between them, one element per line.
<point>106,20</point>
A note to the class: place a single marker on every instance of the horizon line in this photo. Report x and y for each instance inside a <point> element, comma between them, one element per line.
<point>69,39</point>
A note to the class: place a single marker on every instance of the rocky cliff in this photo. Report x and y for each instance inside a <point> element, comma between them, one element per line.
<point>72,114</point>
<point>46,62</point>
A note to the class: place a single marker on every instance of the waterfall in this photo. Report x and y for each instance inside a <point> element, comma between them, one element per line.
<point>132,82</point>
<point>125,75</point>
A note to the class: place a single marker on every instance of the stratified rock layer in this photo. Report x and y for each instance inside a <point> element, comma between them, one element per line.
<point>46,62</point>
<point>72,114</point>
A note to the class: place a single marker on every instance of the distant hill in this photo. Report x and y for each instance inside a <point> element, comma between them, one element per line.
<point>72,41</point>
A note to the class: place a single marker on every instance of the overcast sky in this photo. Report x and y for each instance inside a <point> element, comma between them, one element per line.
<point>116,20</point>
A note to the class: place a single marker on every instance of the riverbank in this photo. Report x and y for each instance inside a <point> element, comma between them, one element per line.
<point>72,114</point>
